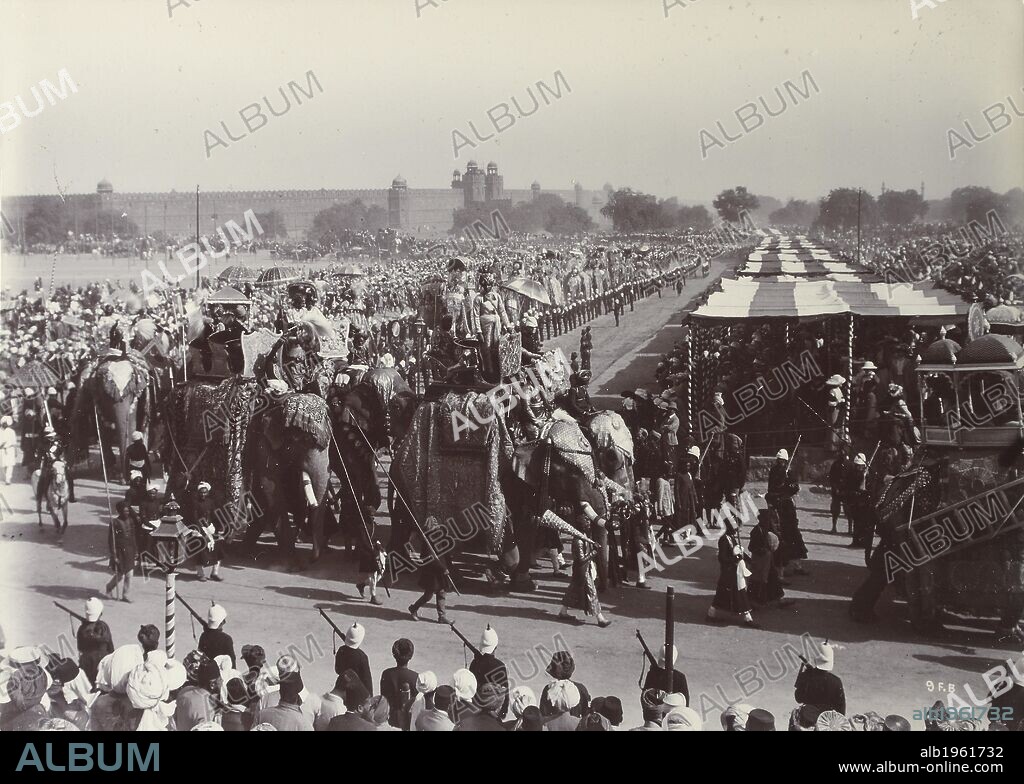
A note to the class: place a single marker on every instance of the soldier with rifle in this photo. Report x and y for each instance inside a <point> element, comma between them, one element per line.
<point>214,641</point>
<point>93,637</point>
<point>658,676</point>
<point>782,486</point>
<point>486,667</point>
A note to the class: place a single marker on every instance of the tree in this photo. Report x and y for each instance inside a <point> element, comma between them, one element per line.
<point>796,213</point>
<point>734,202</point>
<point>901,207</point>
<point>568,219</point>
<point>971,199</point>
<point>47,221</point>
<point>338,219</point>
<point>697,218</point>
<point>272,223</point>
<point>838,210</point>
<point>633,211</point>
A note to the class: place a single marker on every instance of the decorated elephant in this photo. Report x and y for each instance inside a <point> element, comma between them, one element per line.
<point>288,464</point>
<point>263,454</point>
<point>378,400</point>
<point>479,486</point>
<point>112,391</point>
<point>978,566</point>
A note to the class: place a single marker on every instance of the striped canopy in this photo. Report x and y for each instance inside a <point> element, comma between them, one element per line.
<point>760,298</point>
<point>803,267</point>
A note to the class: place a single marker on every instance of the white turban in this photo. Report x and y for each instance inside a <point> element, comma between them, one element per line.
<point>563,695</point>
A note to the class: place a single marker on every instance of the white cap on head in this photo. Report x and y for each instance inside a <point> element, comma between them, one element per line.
<point>694,450</point>
<point>216,616</point>
<point>51,391</point>
<point>563,695</point>
<point>823,657</point>
<point>354,635</point>
<point>464,683</point>
<point>661,656</point>
<point>93,609</point>
<point>137,435</point>
<point>203,486</point>
<point>782,454</point>
<point>488,640</point>
<point>860,459</point>
<point>426,682</point>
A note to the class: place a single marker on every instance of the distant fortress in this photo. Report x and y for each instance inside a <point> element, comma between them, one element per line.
<point>425,211</point>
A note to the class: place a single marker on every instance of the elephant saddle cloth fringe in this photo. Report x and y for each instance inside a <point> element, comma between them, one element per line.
<point>308,413</point>
<point>462,489</point>
<point>121,377</point>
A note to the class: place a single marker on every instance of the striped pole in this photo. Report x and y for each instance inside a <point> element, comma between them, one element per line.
<point>849,382</point>
<point>169,614</point>
<point>690,377</point>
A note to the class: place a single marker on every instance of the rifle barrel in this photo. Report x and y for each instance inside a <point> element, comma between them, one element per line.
<point>332,623</point>
<point>72,613</point>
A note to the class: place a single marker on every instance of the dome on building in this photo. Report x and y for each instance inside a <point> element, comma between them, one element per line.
<point>456,173</point>
<point>492,165</point>
<point>398,182</point>
<point>535,186</point>
<point>104,186</point>
<point>989,350</point>
<point>471,165</point>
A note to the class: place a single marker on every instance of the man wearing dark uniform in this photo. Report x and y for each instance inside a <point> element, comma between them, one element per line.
<point>231,336</point>
<point>781,489</point>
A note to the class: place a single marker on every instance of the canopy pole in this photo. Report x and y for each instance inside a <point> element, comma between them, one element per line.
<point>849,382</point>
<point>690,376</point>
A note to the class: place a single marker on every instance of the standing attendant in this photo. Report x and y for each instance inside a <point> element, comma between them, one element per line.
<point>432,580</point>
<point>659,677</point>
<point>93,638</point>
<point>8,444</point>
<point>782,486</point>
<point>582,591</point>
<point>817,685</point>
<point>488,668</point>
<point>398,684</point>
<point>837,476</point>
<point>123,551</point>
<point>350,657</point>
<point>731,596</point>
<point>204,527</point>
<point>214,641</point>
<point>137,457</point>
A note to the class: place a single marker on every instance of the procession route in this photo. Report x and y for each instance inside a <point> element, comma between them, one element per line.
<point>626,356</point>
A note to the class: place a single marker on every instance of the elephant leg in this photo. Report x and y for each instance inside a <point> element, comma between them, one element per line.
<point>317,468</point>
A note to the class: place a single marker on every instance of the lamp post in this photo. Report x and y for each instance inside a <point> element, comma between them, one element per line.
<point>169,538</point>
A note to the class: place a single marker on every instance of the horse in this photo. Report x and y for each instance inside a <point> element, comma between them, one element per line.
<point>56,495</point>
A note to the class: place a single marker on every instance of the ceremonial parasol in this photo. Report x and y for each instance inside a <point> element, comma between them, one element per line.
<point>34,374</point>
<point>529,288</point>
<point>277,276</point>
<point>236,274</point>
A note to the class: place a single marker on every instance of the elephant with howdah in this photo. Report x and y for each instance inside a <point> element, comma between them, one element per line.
<point>112,389</point>
<point>480,486</point>
<point>264,454</point>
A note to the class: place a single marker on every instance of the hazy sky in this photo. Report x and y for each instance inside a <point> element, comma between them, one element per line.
<point>395,86</point>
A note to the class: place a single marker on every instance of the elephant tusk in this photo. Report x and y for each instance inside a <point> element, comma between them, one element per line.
<point>307,486</point>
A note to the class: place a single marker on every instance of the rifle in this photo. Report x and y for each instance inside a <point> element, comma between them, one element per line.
<point>647,650</point>
<point>189,607</point>
<point>333,625</point>
<point>72,613</point>
<point>465,642</point>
